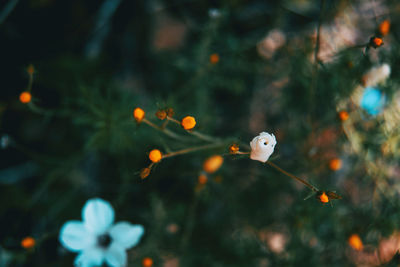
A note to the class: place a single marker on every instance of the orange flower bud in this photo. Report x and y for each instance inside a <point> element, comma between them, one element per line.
<point>25,97</point>
<point>30,69</point>
<point>138,114</point>
<point>343,115</point>
<point>188,122</point>
<point>214,58</point>
<point>147,262</point>
<point>161,114</point>
<point>144,173</point>
<point>233,149</point>
<point>170,112</point>
<point>323,198</point>
<point>213,163</point>
<point>335,164</point>
<point>375,42</point>
<point>203,179</point>
<point>28,242</point>
<point>384,27</point>
<point>155,155</point>
<point>356,242</point>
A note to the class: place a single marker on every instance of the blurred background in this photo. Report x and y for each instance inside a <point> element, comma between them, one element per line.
<point>321,75</point>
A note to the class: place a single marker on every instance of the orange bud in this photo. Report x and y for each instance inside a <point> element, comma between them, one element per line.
<point>323,198</point>
<point>213,163</point>
<point>214,58</point>
<point>144,173</point>
<point>376,42</point>
<point>138,114</point>
<point>25,97</point>
<point>356,242</point>
<point>147,262</point>
<point>335,164</point>
<point>233,149</point>
<point>384,27</point>
<point>30,69</point>
<point>202,179</point>
<point>161,114</point>
<point>188,122</point>
<point>343,115</point>
<point>155,155</point>
<point>170,112</point>
<point>28,242</point>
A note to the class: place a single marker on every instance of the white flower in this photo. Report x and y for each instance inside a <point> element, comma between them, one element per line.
<point>262,146</point>
<point>97,239</point>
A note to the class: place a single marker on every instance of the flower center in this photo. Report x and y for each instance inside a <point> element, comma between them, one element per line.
<point>104,240</point>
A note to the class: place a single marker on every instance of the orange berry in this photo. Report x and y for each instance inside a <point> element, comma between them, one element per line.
<point>214,58</point>
<point>323,198</point>
<point>343,115</point>
<point>170,112</point>
<point>356,242</point>
<point>147,262</point>
<point>28,242</point>
<point>25,97</point>
<point>213,163</point>
<point>202,179</point>
<point>138,114</point>
<point>30,69</point>
<point>233,149</point>
<point>376,42</point>
<point>188,122</point>
<point>144,173</point>
<point>335,164</point>
<point>155,155</point>
<point>384,27</point>
<point>161,114</point>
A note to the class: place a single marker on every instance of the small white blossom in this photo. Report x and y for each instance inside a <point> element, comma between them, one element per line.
<point>262,146</point>
<point>96,239</point>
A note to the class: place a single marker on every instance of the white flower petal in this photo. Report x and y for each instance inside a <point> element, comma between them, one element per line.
<point>98,215</point>
<point>115,255</point>
<point>262,146</point>
<point>90,258</point>
<point>74,236</point>
<point>126,234</point>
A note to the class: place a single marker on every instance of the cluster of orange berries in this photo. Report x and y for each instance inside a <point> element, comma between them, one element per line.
<point>383,29</point>
<point>187,123</point>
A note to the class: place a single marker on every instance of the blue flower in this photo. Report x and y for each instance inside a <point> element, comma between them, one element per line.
<point>372,101</point>
<point>97,239</point>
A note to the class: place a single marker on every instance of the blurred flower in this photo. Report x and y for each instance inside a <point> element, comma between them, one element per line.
<point>214,58</point>
<point>355,242</point>
<point>169,33</point>
<point>188,122</point>
<point>372,101</point>
<point>376,75</point>
<point>384,27</point>
<point>233,149</point>
<point>202,179</point>
<point>275,240</point>
<point>155,155</point>
<point>343,115</point>
<point>161,114</point>
<point>375,42</point>
<point>262,146</point>
<point>213,163</point>
<point>28,242</point>
<point>172,228</point>
<point>147,262</point>
<point>323,197</point>
<point>96,239</point>
<point>25,97</point>
<point>335,164</point>
<point>214,13</point>
<point>30,69</point>
<point>138,114</point>
<point>4,141</point>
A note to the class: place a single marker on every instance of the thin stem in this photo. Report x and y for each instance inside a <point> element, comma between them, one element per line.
<point>191,149</point>
<point>199,135</point>
<point>164,130</point>
<point>313,188</point>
